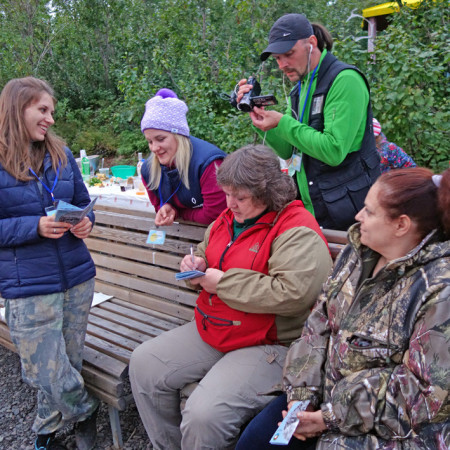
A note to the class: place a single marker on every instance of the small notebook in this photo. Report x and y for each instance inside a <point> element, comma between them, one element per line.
<point>189,274</point>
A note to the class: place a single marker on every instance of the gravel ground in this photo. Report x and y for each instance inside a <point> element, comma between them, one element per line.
<point>18,409</point>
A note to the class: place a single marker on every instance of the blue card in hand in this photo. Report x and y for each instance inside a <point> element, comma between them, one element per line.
<point>289,424</point>
<point>189,274</point>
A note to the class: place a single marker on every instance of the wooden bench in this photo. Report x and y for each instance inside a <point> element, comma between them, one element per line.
<point>146,298</point>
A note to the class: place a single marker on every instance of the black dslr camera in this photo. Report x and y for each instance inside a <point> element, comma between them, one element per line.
<point>252,98</point>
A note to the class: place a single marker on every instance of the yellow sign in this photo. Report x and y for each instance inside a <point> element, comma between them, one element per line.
<point>389,8</point>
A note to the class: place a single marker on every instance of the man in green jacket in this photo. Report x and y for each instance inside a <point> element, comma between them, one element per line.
<point>326,133</point>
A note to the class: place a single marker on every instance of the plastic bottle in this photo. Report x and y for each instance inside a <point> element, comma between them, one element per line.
<point>139,164</point>
<point>85,165</point>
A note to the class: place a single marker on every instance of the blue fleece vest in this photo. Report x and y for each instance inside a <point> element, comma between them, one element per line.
<point>203,154</point>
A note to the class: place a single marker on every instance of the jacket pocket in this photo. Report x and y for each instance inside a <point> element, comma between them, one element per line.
<point>344,201</point>
<point>365,352</point>
<point>241,330</point>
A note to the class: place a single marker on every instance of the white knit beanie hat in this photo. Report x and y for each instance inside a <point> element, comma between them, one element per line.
<point>376,127</point>
<point>165,111</point>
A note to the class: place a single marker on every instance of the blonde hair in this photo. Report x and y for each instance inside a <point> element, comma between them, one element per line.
<point>182,160</point>
<point>15,155</point>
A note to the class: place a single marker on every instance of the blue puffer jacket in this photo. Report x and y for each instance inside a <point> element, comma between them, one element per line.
<point>30,264</point>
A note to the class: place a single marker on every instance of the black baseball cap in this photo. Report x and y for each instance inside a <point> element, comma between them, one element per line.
<point>285,32</point>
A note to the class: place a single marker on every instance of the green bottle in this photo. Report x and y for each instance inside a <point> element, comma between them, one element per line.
<point>85,165</point>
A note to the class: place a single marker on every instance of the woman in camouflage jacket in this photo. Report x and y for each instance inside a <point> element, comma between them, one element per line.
<point>373,359</point>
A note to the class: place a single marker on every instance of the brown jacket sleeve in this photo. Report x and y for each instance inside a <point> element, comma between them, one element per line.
<point>298,265</point>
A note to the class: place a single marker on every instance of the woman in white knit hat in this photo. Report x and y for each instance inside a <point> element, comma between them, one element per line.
<point>180,174</point>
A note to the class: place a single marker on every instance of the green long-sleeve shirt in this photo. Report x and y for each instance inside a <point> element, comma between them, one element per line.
<point>345,115</point>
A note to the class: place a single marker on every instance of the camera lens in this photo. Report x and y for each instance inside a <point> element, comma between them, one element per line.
<point>245,105</point>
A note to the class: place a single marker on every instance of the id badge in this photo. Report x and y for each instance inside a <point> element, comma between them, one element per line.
<point>295,164</point>
<point>297,161</point>
<point>50,210</point>
<point>156,237</point>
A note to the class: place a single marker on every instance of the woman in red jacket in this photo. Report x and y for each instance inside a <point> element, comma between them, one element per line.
<point>264,259</point>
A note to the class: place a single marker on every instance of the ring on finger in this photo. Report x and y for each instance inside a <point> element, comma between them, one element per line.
<point>54,230</point>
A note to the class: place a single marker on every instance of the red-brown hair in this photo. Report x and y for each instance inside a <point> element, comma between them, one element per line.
<point>413,192</point>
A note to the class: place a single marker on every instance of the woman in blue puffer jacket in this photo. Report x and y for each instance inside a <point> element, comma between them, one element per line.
<point>46,271</point>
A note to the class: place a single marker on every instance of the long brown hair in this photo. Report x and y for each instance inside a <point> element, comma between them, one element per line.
<point>17,152</point>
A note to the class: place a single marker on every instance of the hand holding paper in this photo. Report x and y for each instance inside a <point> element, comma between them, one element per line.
<point>191,267</point>
<point>65,212</point>
<point>82,229</point>
<point>189,274</point>
<point>287,427</point>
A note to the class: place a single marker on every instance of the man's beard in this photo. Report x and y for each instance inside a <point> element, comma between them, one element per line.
<point>300,76</point>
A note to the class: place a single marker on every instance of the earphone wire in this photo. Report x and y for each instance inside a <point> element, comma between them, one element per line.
<point>295,113</point>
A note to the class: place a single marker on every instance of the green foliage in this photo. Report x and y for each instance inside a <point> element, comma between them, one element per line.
<point>106,58</point>
<point>131,142</point>
<point>410,83</point>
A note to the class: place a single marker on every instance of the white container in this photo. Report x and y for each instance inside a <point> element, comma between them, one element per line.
<point>139,164</point>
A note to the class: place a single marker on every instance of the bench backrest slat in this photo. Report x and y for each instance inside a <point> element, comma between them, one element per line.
<point>144,274</point>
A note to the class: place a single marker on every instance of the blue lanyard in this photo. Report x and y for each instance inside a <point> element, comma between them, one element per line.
<point>45,186</point>
<point>307,94</point>
<point>161,202</point>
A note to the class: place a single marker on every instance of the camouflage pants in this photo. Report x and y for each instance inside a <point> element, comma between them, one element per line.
<point>48,332</point>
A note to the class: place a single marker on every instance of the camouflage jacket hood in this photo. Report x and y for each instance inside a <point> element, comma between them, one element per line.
<point>374,351</point>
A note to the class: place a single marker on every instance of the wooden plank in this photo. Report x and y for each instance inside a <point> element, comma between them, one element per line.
<point>118,329</point>
<point>8,344</point>
<point>179,229</point>
<point>128,237</point>
<point>120,210</point>
<point>150,312</point>
<point>148,301</point>
<point>119,403</point>
<point>335,236</point>
<point>108,348</point>
<point>137,316</point>
<point>113,338</point>
<point>105,363</point>
<point>146,255</point>
<point>136,269</point>
<point>147,328</point>
<point>137,212</point>
<point>138,284</point>
<point>4,331</point>
<point>109,384</point>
